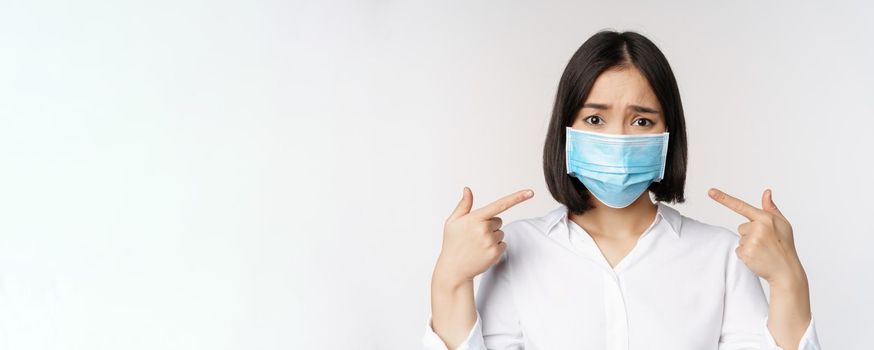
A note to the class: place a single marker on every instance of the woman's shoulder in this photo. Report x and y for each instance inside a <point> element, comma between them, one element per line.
<point>535,226</point>
<point>694,229</point>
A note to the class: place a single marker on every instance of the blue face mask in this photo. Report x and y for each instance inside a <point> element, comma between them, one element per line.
<point>616,169</point>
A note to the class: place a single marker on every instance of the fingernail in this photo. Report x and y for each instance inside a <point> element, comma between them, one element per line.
<point>528,194</point>
<point>712,193</point>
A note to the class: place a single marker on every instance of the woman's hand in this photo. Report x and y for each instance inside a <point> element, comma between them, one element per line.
<point>473,240</point>
<point>766,245</point>
<point>768,249</point>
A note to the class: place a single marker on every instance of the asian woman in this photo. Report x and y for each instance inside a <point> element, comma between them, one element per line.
<point>613,266</point>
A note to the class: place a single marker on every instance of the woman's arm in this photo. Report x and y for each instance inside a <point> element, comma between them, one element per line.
<point>746,310</point>
<point>472,242</point>
<point>453,307</point>
<point>767,247</point>
<point>789,312</point>
<point>494,303</point>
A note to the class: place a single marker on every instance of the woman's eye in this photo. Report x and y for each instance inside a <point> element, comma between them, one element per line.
<point>643,122</point>
<point>594,119</point>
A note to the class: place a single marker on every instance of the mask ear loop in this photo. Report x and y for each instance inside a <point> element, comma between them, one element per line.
<point>664,156</point>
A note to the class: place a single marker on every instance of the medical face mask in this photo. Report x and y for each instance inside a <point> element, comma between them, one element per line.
<point>616,169</point>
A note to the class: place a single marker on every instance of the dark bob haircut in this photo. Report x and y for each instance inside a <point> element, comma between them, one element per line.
<point>603,51</point>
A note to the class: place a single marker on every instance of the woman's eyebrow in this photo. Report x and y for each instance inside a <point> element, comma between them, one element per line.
<point>642,109</point>
<point>596,105</point>
<point>636,108</point>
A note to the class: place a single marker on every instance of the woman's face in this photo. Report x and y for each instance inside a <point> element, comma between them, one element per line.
<point>621,102</point>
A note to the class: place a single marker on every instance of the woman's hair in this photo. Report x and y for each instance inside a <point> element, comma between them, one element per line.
<point>603,51</point>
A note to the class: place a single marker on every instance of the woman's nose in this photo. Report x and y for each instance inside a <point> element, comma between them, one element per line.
<point>617,129</point>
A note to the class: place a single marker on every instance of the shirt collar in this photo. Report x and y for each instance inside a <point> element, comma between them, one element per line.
<point>671,215</point>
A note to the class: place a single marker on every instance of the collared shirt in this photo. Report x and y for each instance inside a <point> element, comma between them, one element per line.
<point>681,287</point>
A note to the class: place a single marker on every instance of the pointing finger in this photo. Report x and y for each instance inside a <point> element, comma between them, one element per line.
<point>737,205</point>
<point>502,204</point>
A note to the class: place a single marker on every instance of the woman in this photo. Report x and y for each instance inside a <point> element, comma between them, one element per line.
<point>610,268</point>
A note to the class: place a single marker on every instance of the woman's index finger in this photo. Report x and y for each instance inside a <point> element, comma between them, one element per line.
<point>501,205</point>
<point>738,206</point>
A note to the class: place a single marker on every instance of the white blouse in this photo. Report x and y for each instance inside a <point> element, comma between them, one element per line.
<point>681,287</point>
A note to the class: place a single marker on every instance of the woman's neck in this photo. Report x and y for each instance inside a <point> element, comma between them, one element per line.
<point>618,223</point>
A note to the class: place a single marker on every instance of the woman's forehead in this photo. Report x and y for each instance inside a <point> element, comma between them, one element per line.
<point>623,87</point>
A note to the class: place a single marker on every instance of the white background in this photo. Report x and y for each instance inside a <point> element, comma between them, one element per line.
<point>275,175</point>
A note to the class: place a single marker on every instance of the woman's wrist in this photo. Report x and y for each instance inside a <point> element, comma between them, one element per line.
<point>793,281</point>
<point>444,279</point>
<point>790,296</point>
<point>789,285</point>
